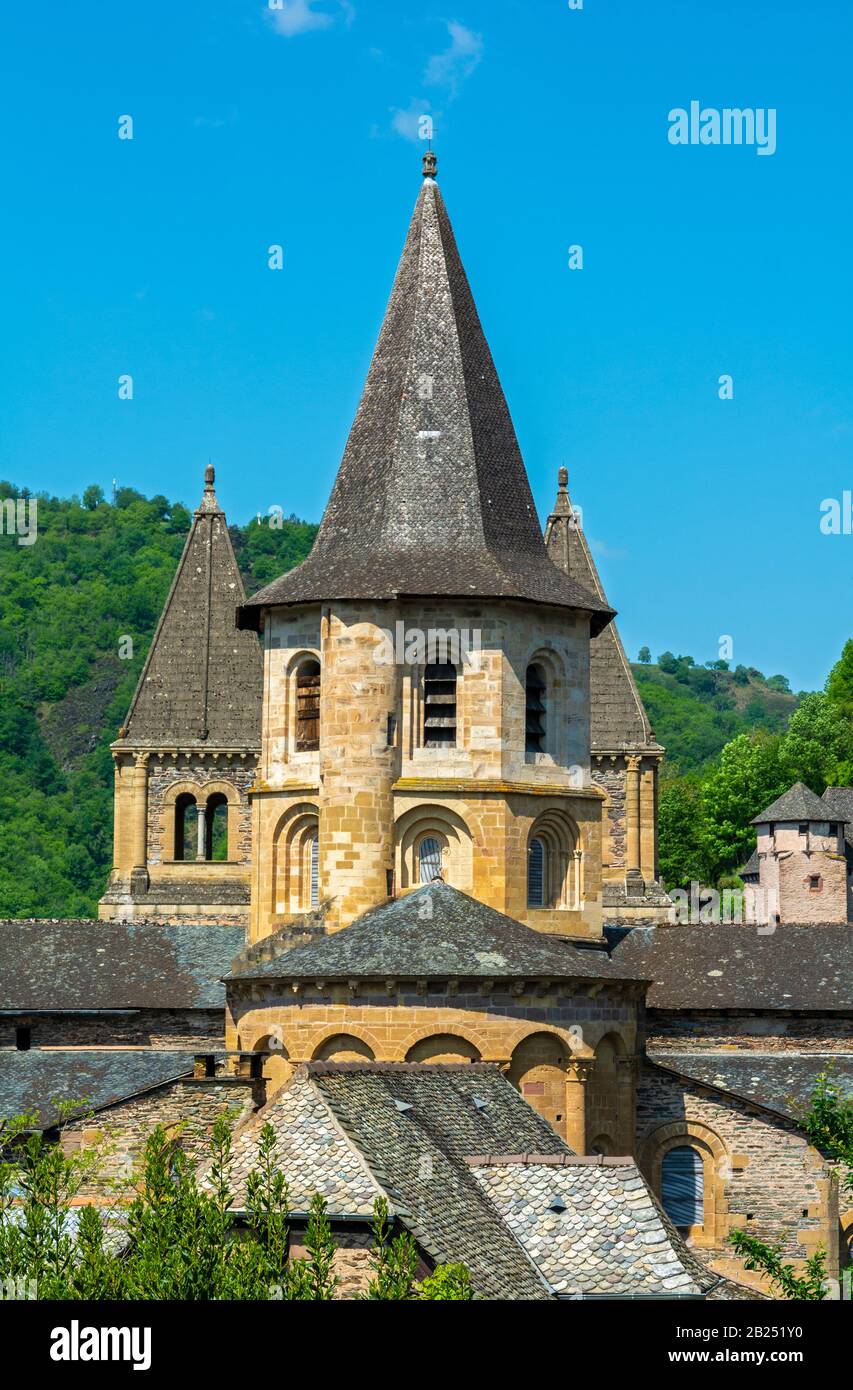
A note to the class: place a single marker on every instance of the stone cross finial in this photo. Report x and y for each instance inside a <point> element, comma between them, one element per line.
<point>430,164</point>
<point>208,501</point>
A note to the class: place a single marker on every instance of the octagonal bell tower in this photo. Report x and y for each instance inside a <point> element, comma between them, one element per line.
<point>426,707</point>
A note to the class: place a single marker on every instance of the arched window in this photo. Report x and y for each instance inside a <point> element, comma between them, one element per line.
<point>683,1186</point>
<point>534,710</point>
<point>440,706</point>
<point>216,827</point>
<point>553,863</point>
<point>429,858</point>
<point>186,827</point>
<point>536,874</point>
<point>308,707</point>
<point>314,870</point>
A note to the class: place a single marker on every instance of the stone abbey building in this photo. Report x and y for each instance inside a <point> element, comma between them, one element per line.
<point>398,811</point>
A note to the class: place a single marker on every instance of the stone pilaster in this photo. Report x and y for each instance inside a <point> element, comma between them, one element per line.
<point>577,1076</point>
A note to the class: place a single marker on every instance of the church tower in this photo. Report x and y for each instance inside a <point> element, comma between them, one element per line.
<point>187,753</point>
<point>625,756</point>
<point>426,668</point>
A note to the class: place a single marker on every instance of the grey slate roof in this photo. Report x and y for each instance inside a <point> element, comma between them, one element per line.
<point>104,965</point>
<point>609,1235</point>
<point>839,803</point>
<point>617,715</point>
<point>435,932</point>
<point>202,681</point>
<point>457,1152</point>
<point>780,1081</point>
<point>797,803</point>
<point>432,496</point>
<point>31,1081</point>
<point>730,966</point>
<point>751,867</point>
<point>340,1129</point>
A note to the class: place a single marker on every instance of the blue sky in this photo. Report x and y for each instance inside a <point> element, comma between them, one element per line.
<point>254,127</point>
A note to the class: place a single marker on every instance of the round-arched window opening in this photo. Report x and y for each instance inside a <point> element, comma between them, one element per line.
<point>216,827</point>
<point>186,827</point>
<point>534,723</point>
<point>536,873</point>
<point>440,705</point>
<point>682,1179</point>
<point>429,859</point>
<point>308,707</point>
<point>314,893</point>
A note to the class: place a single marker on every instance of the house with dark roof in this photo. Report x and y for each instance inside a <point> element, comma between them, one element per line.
<point>802,867</point>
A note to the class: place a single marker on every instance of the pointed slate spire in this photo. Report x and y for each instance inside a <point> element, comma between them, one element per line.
<point>431,497</point>
<point>617,717</point>
<point>202,679</point>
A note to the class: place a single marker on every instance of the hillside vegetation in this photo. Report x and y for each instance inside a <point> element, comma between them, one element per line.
<point>695,710</point>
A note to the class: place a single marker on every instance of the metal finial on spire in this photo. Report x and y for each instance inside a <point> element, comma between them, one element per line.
<point>430,164</point>
<point>563,479</point>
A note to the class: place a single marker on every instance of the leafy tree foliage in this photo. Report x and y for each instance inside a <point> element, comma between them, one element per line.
<point>176,1238</point>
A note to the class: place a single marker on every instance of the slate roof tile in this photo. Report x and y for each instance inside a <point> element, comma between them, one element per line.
<point>435,932</point>
<point>735,966</point>
<point>58,966</point>
<point>432,496</point>
<point>31,1081</point>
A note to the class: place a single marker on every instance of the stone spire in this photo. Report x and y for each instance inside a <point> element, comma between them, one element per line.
<point>431,497</point>
<point>202,679</point>
<point>617,717</point>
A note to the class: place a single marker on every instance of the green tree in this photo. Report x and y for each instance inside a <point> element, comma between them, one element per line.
<point>749,776</point>
<point>644,655</point>
<point>92,497</point>
<point>759,1255</point>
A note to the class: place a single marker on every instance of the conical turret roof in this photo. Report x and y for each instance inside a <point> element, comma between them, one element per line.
<point>432,497</point>
<point>617,716</point>
<point>202,681</point>
<point>798,803</point>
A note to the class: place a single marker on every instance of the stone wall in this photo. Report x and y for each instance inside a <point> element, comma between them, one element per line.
<point>543,1039</point>
<point>169,1029</point>
<point>187,1108</point>
<point>373,780</point>
<point>694,1031</point>
<point>761,1175</point>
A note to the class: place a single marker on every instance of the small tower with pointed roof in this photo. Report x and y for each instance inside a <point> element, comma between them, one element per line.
<point>799,871</point>
<point>625,755</point>
<point>186,755</point>
<point>426,687</point>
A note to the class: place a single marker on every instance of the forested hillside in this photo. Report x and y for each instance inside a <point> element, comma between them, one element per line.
<point>696,710</point>
<point>78,609</point>
<point>97,575</point>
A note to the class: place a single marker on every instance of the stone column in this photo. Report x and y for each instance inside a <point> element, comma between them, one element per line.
<point>201,832</point>
<point>648,823</point>
<point>117,847</point>
<point>626,1104</point>
<point>632,820</point>
<point>139,873</point>
<point>361,686</point>
<point>577,1075</point>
